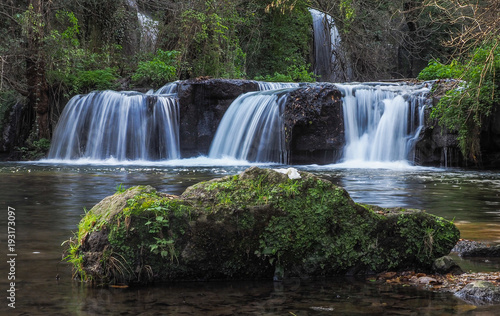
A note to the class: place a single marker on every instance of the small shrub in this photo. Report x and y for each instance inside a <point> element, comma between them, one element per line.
<point>157,71</point>
<point>100,79</point>
<point>437,70</point>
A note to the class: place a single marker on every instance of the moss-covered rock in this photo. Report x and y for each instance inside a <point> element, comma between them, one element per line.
<point>258,224</point>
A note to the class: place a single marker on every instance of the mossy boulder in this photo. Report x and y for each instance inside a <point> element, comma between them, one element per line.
<point>258,224</point>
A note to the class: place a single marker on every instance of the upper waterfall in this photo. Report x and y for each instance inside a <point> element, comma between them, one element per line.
<point>382,121</point>
<point>119,125</point>
<point>328,59</point>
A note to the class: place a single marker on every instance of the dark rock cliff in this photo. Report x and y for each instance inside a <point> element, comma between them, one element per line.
<point>314,124</point>
<point>203,103</point>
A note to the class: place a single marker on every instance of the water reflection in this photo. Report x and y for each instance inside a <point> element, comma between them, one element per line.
<point>50,199</point>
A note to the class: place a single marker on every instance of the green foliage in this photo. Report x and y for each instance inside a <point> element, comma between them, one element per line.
<point>437,70</point>
<point>277,42</point>
<point>160,69</point>
<point>34,149</point>
<point>348,12</point>
<point>152,223</point>
<point>470,103</point>
<point>294,73</point>
<point>99,79</point>
<point>120,188</point>
<point>89,223</point>
<point>8,98</point>
<point>72,68</point>
<point>209,42</point>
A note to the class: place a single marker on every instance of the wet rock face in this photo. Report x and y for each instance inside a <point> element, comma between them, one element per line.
<point>314,125</point>
<point>254,225</point>
<point>480,293</point>
<point>439,146</point>
<point>314,128</point>
<point>203,103</point>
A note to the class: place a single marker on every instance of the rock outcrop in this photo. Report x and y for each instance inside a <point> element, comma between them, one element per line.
<point>258,224</point>
<point>203,103</point>
<point>314,124</point>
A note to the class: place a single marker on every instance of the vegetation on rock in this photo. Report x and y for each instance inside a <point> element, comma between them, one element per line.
<point>258,224</point>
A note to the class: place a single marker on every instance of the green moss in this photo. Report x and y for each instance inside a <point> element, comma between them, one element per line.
<point>253,225</point>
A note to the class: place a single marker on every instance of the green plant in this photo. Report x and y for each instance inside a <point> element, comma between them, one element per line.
<point>465,107</point>
<point>276,38</point>
<point>209,40</point>
<point>159,70</point>
<point>437,70</point>
<point>120,188</point>
<point>100,79</point>
<point>296,72</point>
<point>34,149</point>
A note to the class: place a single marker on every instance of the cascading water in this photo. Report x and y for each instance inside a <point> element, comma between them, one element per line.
<point>382,122</point>
<point>327,49</point>
<point>119,125</point>
<point>252,127</point>
<point>266,86</point>
<point>148,27</point>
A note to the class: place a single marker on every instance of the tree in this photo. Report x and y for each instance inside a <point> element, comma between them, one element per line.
<point>476,45</point>
<point>38,98</point>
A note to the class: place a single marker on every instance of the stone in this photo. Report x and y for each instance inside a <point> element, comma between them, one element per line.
<point>446,264</point>
<point>259,224</point>
<point>202,104</point>
<point>480,293</point>
<point>314,124</point>
<point>484,251</point>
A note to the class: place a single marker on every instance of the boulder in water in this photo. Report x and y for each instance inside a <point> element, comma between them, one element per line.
<point>258,224</point>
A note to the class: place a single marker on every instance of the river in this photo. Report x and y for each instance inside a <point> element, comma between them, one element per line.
<point>49,199</point>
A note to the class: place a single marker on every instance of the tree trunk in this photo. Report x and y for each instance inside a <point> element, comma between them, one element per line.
<point>38,96</point>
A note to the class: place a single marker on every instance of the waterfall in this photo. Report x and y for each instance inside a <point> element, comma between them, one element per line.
<point>266,86</point>
<point>327,50</point>
<point>119,125</point>
<point>148,27</point>
<point>382,121</point>
<point>169,88</point>
<point>252,128</point>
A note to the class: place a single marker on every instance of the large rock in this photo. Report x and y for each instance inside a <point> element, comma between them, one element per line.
<point>439,146</point>
<point>480,293</point>
<point>314,124</point>
<point>203,103</point>
<point>258,224</point>
<point>436,145</point>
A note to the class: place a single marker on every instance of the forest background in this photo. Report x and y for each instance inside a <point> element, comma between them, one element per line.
<point>52,50</point>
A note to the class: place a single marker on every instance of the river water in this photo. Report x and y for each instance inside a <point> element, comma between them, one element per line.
<point>50,198</point>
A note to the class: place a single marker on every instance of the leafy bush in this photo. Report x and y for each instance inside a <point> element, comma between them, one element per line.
<point>160,69</point>
<point>73,69</point>
<point>277,38</point>
<point>34,150</point>
<point>100,79</point>
<point>296,72</point>
<point>437,70</point>
<point>471,102</point>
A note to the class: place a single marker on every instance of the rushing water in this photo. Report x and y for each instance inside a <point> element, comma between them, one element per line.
<point>252,128</point>
<point>326,47</point>
<point>382,121</point>
<point>51,197</point>
<point>121,125</point>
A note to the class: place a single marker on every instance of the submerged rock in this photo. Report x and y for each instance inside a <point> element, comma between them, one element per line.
<point>258,224</point>
<point>471,248</point>
<point>480,293</point>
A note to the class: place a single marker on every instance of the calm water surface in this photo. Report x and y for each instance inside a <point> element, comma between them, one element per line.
<point>50,198</point>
